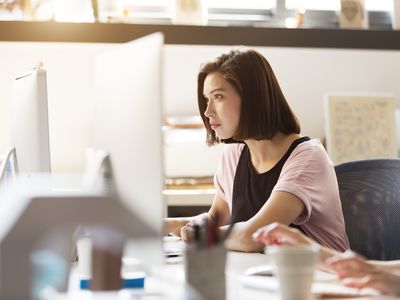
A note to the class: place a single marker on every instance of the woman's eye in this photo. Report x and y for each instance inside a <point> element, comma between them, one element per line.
<point>218,97</point>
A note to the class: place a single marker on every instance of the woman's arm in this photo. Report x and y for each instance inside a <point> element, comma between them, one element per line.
<point>173,225</point>
<point>181,226</point>
<point>281,207</point>
<point>387,265</point>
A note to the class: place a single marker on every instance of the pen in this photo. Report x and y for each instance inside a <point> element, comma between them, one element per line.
<point>196,235</point>
<point>216,229</point>
<point>204,232</point>
<point>211,231</point>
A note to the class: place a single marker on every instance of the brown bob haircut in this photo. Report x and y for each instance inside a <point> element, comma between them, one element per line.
<point>264,109</point>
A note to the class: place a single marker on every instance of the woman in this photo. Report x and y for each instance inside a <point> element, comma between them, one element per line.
<point>268,171</point>
<point>352,268</point>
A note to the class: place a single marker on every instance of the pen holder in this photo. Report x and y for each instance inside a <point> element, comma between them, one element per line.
<point>205,271</point>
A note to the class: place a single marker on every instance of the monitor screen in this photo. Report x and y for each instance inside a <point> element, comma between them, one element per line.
<point>128,123</point>
<point>29,122</point>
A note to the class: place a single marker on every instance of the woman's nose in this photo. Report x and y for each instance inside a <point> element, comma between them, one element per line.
<point>209,112</point>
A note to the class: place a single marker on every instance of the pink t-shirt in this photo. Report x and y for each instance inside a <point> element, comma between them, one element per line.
<point>308,174</point>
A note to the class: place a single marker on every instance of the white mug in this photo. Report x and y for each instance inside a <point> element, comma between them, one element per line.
<point>294,266</point>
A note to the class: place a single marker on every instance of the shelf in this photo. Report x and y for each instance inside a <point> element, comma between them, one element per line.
<point>200,35</point>
<point>189,197</point>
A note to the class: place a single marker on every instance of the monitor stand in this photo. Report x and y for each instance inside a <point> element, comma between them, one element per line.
<point>29,223</point>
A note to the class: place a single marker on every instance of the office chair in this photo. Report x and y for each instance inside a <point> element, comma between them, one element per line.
<point>370,195</point>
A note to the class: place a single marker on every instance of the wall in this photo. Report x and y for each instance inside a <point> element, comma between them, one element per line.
<point>70,70</point>
<point>305,75</point>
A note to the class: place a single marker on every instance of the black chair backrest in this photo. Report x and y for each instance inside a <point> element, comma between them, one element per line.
<point>370,194</point>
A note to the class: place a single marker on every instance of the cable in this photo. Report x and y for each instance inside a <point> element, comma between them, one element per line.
<point>11,153</point>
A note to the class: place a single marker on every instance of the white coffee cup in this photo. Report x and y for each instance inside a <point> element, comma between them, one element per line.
<point>294,266</point>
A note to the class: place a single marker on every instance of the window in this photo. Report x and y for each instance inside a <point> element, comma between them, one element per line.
<point>141,11</point>
<point>324,13</point>
<point>244,12</point>
<point>371,5</point>
<point>313,4</point>
<point>238,11</point>
<point>318,13</point>
<point>219,11</point>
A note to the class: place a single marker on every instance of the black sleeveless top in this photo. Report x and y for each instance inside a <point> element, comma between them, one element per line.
<point>250,189</point>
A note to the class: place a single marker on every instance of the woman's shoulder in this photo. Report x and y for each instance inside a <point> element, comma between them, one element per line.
<point>309,155</point>
<point>312,147</point>
<point>312,144</point>
<point>234,149</point>
<point>229,161</point>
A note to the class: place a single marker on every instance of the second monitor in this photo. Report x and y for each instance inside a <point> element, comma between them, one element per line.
<point>128,123</point>
<point>30,125</point>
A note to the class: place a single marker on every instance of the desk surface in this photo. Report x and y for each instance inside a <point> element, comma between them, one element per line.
<point>168,283</point>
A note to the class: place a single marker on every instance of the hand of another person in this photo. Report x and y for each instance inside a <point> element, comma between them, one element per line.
<point>357,272</point>
<point>278,234</point>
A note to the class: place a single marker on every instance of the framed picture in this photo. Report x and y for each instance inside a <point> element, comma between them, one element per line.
<point>360,126</point>
<point>353,14</point>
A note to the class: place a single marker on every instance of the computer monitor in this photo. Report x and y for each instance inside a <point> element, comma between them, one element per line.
<point>127,126</point>
<point>29,122</point>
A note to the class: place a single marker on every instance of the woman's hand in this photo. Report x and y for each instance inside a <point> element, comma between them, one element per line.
<point>187,232</point>
<point>278,234</point>
<point>357,272</point>
<point>173,226</point>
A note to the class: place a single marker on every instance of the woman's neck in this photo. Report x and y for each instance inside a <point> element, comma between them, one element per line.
<point>266,153</point>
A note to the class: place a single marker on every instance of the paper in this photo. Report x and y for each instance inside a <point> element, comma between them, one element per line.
<point>326,284</point>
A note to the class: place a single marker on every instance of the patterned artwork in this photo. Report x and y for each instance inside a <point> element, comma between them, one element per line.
<point>360,127</point>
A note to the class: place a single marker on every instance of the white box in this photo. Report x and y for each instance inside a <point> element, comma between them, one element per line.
<point>186,153</point>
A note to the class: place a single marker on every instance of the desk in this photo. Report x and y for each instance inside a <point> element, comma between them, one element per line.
<point>168,283</point>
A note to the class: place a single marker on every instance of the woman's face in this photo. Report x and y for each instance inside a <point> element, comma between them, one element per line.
<point>223,105</point>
